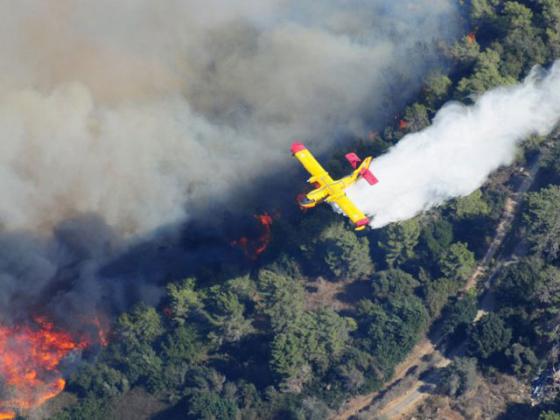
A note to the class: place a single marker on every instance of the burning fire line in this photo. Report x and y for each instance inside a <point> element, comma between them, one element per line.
<point>29,359</point>
<point>102,326</point>
<point>403,124</point>
<point>254,248</point>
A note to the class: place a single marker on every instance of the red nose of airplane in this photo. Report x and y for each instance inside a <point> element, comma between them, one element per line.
<point>297,147</point>
<point>362,222</point>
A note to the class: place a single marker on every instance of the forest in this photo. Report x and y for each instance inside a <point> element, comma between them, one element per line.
<point>320,318</point>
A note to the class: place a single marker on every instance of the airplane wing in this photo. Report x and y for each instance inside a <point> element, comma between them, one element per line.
<point>318,173</point>
<point>353,212</point>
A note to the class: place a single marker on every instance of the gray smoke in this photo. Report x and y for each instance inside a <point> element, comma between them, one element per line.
<point>456,154</point>
<point>138,110</point>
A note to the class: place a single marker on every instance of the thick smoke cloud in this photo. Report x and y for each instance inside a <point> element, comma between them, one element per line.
<point>455,155</point>
<point>139,111</point>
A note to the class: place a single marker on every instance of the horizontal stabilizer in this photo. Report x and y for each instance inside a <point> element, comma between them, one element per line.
<point>368,176</point>
<point>353,159</point>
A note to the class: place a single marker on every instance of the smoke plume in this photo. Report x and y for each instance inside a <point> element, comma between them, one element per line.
<point>142,112</point>
<point>456,154</point>
<point>120,117</point>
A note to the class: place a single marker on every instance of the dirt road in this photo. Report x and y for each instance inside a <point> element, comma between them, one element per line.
<point>359,403</point>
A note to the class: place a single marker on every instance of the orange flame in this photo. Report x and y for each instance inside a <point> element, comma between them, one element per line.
<point>29,359</point>
<point>167,311</point>
<point>266,221</point>
<point>101,324</point>
<point>254,248</point>
<point>372,135</point>
<point>403,124</point>
<point>471,38</point>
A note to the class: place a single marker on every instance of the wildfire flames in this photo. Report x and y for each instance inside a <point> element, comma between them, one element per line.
<point>102,326</point>
<point>255,247</point>
<point>403,124</point>
<point>471,38</point>
<point>372,135</point>
<point>29,360</point>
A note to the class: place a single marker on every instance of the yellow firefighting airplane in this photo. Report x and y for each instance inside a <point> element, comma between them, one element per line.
<point>330,190</point>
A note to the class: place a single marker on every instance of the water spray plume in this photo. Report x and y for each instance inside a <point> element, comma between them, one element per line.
<point>456,154</point>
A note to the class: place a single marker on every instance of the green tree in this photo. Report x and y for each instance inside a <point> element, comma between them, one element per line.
<point>486,74</point>
<point>457,263</point>
<point>211,406</point>
<point>182,345</point>
<point>185,300</point>
<point>488,336</point>
<point>545,305</point>
<point>552,162</point>
<point>436,89</point>
<point>522,44</point>
<point>202,378</point>
<point>288,358</point>
<point>98,381</point>
<point>358,370</point>
<point>551,17</point>
<point>436,294</point>
<point>471,205</point>
<point>90,408</point>
<point>331,334</point>
<point>459,313</point>
<point>436,237</point>
<point>549,415</point>
<point>523,361</point>
<point>482,11</point>
<point>282,298</point>
<point>399,240</point>
<point>517,283</point>
<point>542,218</point>
<point>243,287</point>
<point>142,324</point>
<point>547,292</point>
<point>343,253</point>
<point>141,365</point>
<point>528,293</point>
<point>248,399</point>
<point>392,329</point>
<point>316,339</point>
<point>392,285</point>
<point>459,377</point>
<point>226,314</point>
<point>465,53</point>
<point>416,116</point>
<point>315,409</point>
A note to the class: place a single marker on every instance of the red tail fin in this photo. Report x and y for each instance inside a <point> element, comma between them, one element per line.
<point>368,176</point>
<point>353,159</point>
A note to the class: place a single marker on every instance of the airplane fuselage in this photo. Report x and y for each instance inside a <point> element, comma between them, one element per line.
<point>331,190</point>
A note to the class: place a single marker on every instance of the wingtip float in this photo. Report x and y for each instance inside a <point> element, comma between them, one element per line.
<point>330,190</point>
